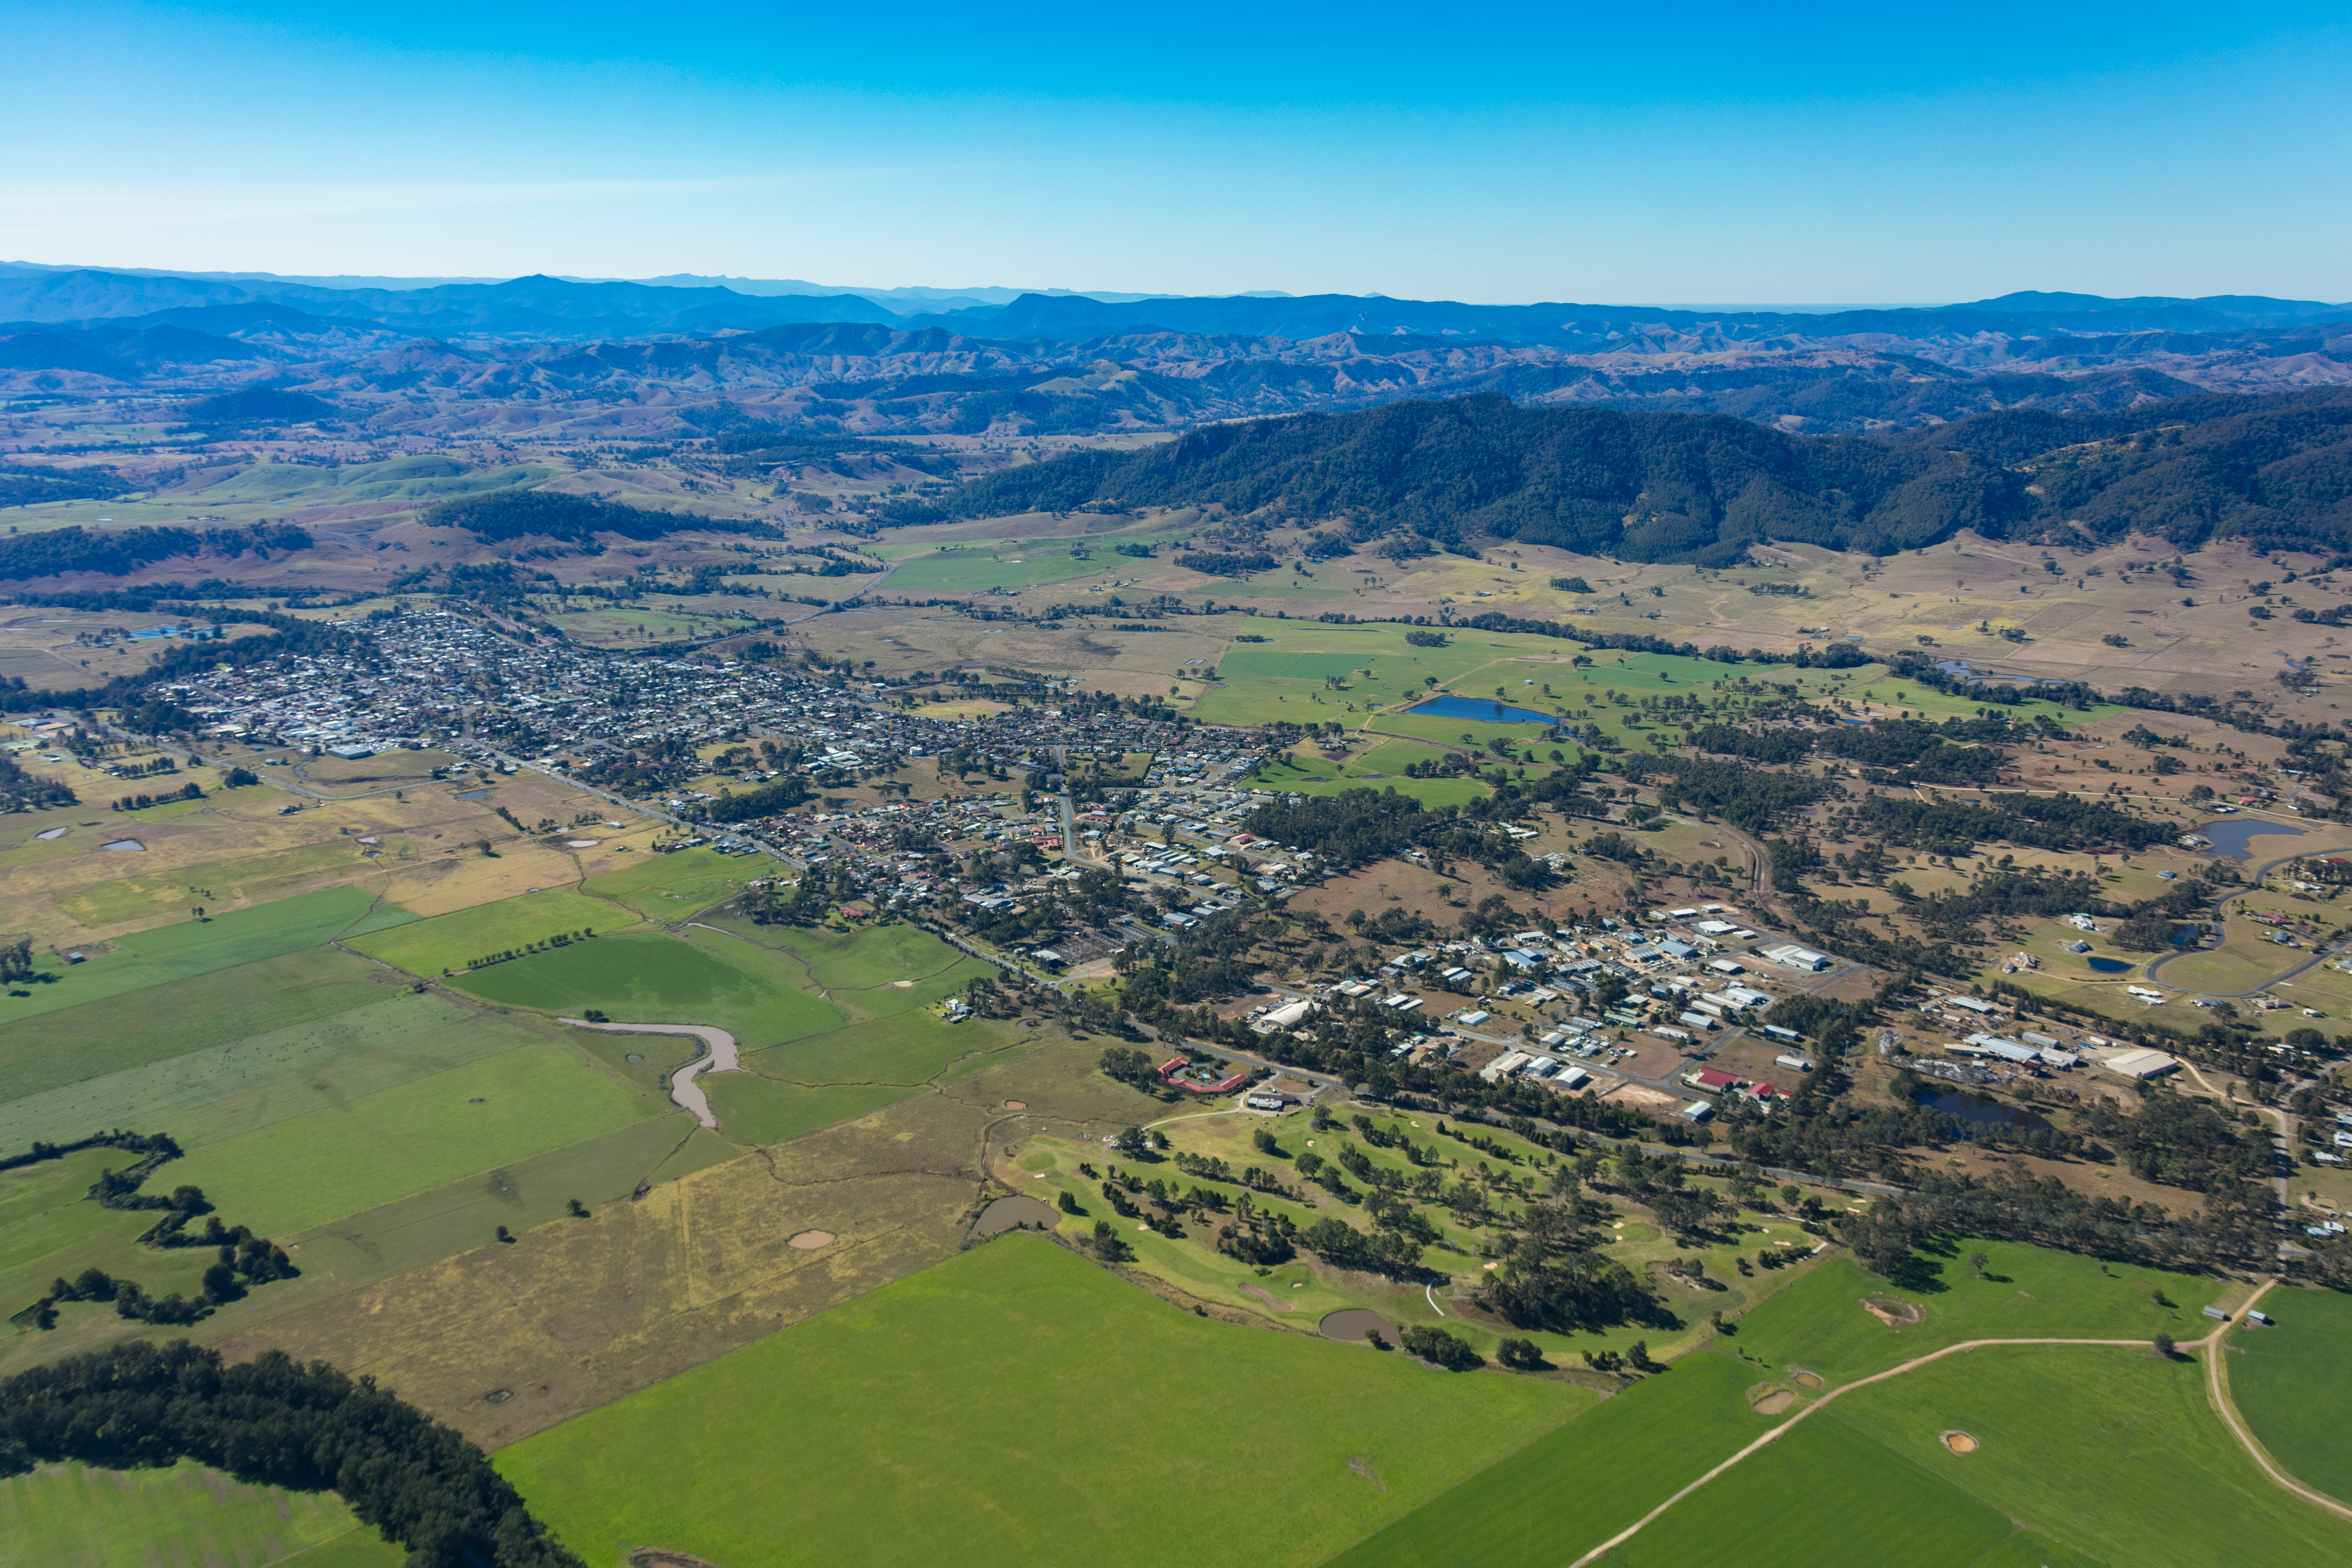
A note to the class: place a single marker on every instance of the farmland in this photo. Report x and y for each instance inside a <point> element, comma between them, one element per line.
<point>986,1406</point>
<point>656,978</point>
<point>2288,1382</point>
<point>464,937</point>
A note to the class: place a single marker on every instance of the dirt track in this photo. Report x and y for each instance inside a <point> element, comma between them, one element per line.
<point>683,1089</point>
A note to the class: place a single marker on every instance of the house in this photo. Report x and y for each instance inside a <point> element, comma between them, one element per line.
<point>2083,923</point>
<point>1713,1080</point>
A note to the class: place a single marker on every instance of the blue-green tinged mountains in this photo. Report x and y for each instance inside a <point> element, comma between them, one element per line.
<point>1702,488</point>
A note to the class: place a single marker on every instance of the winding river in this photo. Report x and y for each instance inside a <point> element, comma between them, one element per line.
<point>683,1089</point>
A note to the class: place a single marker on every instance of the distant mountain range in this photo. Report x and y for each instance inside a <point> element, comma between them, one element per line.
<point>946,360</point>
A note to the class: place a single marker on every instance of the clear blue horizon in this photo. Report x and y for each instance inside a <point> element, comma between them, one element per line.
<point>1518,154</point>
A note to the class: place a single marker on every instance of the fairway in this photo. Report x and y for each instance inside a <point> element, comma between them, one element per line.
<point>457,939</point>
<point>70,1516</point>
<point>1017,1406</point>
<point>199,947</point>
<point>1380,767</point>
<point>2289,1382</point>
<point>651,978</point>
<point>346,1158</point>
<point>672,887</point>
<point>1568,1492</point>
<point>1819,1323</point>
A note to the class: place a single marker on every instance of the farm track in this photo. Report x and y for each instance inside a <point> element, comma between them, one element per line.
<point>2217,1388</point>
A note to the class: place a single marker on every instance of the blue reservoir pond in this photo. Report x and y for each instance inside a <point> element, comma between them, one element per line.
<point>2229,837</point>
<point>1481,708</point>
<point>2109,965</point>
<point>1980,1109</point>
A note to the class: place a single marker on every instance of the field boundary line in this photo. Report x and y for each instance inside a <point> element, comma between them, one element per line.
<point>2212,1342</point>
<point>2217,1388</point>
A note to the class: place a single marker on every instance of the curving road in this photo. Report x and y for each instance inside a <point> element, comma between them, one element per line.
<point>2254,879</point>
<point>683,1089</point>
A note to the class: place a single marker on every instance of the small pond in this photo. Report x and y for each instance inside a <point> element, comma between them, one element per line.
<point>2229,837</point>
<point>473,794</point>
<point>2109,965</point>
<point>1980,1109</point>
<point>1493,712</point>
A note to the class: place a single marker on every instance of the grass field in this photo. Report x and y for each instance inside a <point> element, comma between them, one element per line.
<point>671,886</point>
<point>134,1029</point>
<point>2110,1453</point>
<point>993,1409</point>
<point>199,947</point>
<point>1570,1490</point>
<point>2289,1383</point>
<point>70,1516</point>
<point>1819,1323</point>
<point>454,941</point>
<point>1825,1493</point>
<point>168,1093</point>
<point>248,878</point>
<point>866,968</point>
<point>1380,767</point>
<point>659,979</point>
<point>346,1158</point>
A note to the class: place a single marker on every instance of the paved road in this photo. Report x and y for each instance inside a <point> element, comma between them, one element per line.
<point>2317,958</point>
<point>683,1089</point>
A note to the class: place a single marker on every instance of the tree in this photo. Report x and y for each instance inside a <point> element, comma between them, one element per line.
<point>1522,1355</point>
<point>1107,1245</point>
<point>2163,1346</point>
<point>1977,1260</point>
<point>1129,1066</point>
<point>1068,1205</point>
<point>1434,1344</point>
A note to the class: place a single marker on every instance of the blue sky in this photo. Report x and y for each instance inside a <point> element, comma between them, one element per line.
<point>1595,153</point>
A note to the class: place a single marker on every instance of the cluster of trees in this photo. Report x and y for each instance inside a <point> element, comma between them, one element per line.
<point>29,484</point>
<point>1748,798</point>
<point>765,801</point>
<point>22,791</point>
<point>504,515</point>
<point>1912,751</point>
<point>2059,821</point>
<point>117,552</point>
<point>1347,829</point>
<point>1227,564</point>
<point>189,791</point>
<point>271,1421</point>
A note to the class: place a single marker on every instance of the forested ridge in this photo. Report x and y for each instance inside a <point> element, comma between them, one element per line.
<point>115,552</point>
<point>1702,488</point>
<point>505,515</point>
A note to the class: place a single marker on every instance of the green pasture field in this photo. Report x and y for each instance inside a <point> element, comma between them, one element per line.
<point>49,1226</point>
<point>757,1111</point>
<point>251,878</point>
<point>136,1028</point>
<point>609,628</point>
<point>445,943</point>
<point>988,1407</point>
<point>1008,565</point>
<point>648,977</point>
<point>671,886</point>
<point>343,1159</point>
<point>199,947</point>
<point>457,1216</point>
<point>1576,1486</point>
<point>1819,1323</point>
<point>72,1515</point>
<point>2111,1453</point>
<point>171,1094</point>
<point>868,964</point>
<point>1825,1493</point>
<point>2289,1383</point>
<point>823,1078</point>
<point>1381,766</point>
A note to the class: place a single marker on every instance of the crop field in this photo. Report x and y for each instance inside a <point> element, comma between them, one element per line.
<point>869,965</point>
<point>1819,1323</point>
<point>198,947</point>
<point>370,1151</point>
<point>70,1516</point>
<point>968,566</point>
<point>2289,1383</point>
<point>659,979</point>
<point>671,886</point>
<point>813,1083</point>
<point>454,941</point>
<point>1573,1489</point>
<point>617,627</point>
<point>253,879</point>
<point>987,1407</point>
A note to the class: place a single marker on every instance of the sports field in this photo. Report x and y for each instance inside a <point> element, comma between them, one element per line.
<point>1015,1405</point>
<point>457,940</point>
<point>2289,1383</point>
<point>1819,1323</point>
<point>70,1516</point>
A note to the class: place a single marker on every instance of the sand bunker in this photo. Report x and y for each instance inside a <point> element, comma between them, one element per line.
<point>903,984</point>
<point>1774,1403</point>
<point>1892,1312</point>
<point>1804,1379</point>
<point>810,1240</point>
<point>1016,1105</point>
<point>1349,1323</point>
<point>1005,1213</point>
<point>568,844</point>
<point>1958,1442</point>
